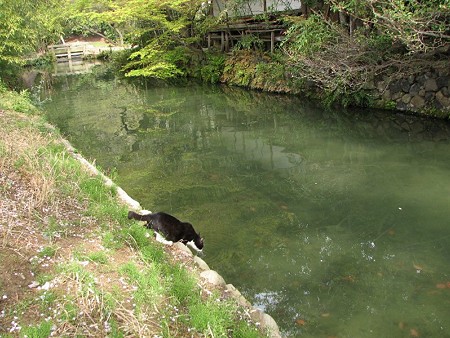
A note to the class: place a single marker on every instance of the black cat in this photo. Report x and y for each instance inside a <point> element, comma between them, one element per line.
<point>171,228</point>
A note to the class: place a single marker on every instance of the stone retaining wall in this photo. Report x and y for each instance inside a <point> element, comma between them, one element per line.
<point>425,92</point>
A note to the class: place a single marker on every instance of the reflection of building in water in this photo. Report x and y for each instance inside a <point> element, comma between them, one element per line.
<point>270,156</point>
<point>75,67</point>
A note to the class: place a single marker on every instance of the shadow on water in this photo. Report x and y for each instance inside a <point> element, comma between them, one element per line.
<point>334,222</point>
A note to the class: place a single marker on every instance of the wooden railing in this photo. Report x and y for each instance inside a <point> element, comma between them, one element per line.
<point>67,52</point>
<point>228,35</point>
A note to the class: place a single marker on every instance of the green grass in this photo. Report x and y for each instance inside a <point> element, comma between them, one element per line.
<point>182,287</point>
<point>148,282</point>
<point>48,251</point>
<point>110,240</point>
<point>83,277</point>
<point>17,101</point>
<point>99,257</point>
<point>43,330</point>
<point>211,316</point>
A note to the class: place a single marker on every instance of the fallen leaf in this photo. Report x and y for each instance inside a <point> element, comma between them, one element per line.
<point>325,315</point>
<point>414,333</point>
<point>441,286</point>
<point>418,267</point>
<point>284,207</point>
<point>349,278</point>
<point>391,232</point>
<point>448,285</point>
<point>300,322</point>
<point>401,325</point>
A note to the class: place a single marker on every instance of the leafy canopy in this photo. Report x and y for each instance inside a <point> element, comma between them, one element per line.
<point>420,25</point>
<point>25,27</point>
<point>155,28</point>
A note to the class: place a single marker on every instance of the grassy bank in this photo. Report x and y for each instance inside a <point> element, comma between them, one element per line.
<point>72,264</point>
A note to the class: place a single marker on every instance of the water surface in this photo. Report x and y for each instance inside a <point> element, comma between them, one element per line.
<point>336,223</point>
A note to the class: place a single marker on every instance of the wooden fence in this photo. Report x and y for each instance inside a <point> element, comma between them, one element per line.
<point>226,36</point>
<point>65,53</point>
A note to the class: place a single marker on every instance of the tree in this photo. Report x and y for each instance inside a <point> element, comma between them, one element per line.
<point>420,25</point>
<point>158,30</point>
<point>25,27</point>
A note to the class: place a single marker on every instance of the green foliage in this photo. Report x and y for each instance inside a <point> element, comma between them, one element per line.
<point>182,285</point>
<point>138,235</point>
<point>271,76</point>
<point>156,63</point>
<point>99,257</point>
<point>48,251</point>
<point>342,97</point>
<point>25,27</point>
<point>211,317</point>
<point>308,36</point>
<point>47,300</point>
<point>244,330</point>
<point>42,61</point>
<point>390,105</point>
<point>157,28</point>
<point>43,330</point>
<point>70,311</point>
<point>248,42</point>
<point>18,101</point>
<point>152,252</point>
<point>212,70</point>
<point>148,282</point>
<point>418,25</point>
<point>94,188</point>
<point>112,240</point>
<point>103,204</point>
<point>257,70</point>
<point>79,273</point>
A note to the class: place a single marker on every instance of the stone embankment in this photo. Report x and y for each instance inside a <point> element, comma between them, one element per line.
<point>208,276</point>
<point>425,92</point>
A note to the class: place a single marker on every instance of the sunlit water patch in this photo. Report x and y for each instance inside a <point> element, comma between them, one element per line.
<point>336,223</point>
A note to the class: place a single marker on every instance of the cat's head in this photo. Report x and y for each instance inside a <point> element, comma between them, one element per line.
<point>199,241</point>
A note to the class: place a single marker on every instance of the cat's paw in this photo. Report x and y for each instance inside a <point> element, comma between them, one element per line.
<point>162,240</point>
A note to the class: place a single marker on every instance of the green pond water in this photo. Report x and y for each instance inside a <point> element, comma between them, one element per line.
<point>336,223</point>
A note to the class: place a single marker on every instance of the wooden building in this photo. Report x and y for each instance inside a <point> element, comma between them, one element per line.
<point>255,18</point>
<point>255,7</point>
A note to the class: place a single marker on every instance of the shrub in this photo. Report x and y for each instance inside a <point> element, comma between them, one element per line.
<point>308,36</point>
<point>212,71</point>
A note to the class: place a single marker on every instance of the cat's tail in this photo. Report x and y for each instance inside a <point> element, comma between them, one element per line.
<point>136,216</point>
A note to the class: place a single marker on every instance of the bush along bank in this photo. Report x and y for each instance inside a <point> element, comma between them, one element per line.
<point>420,88</point>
